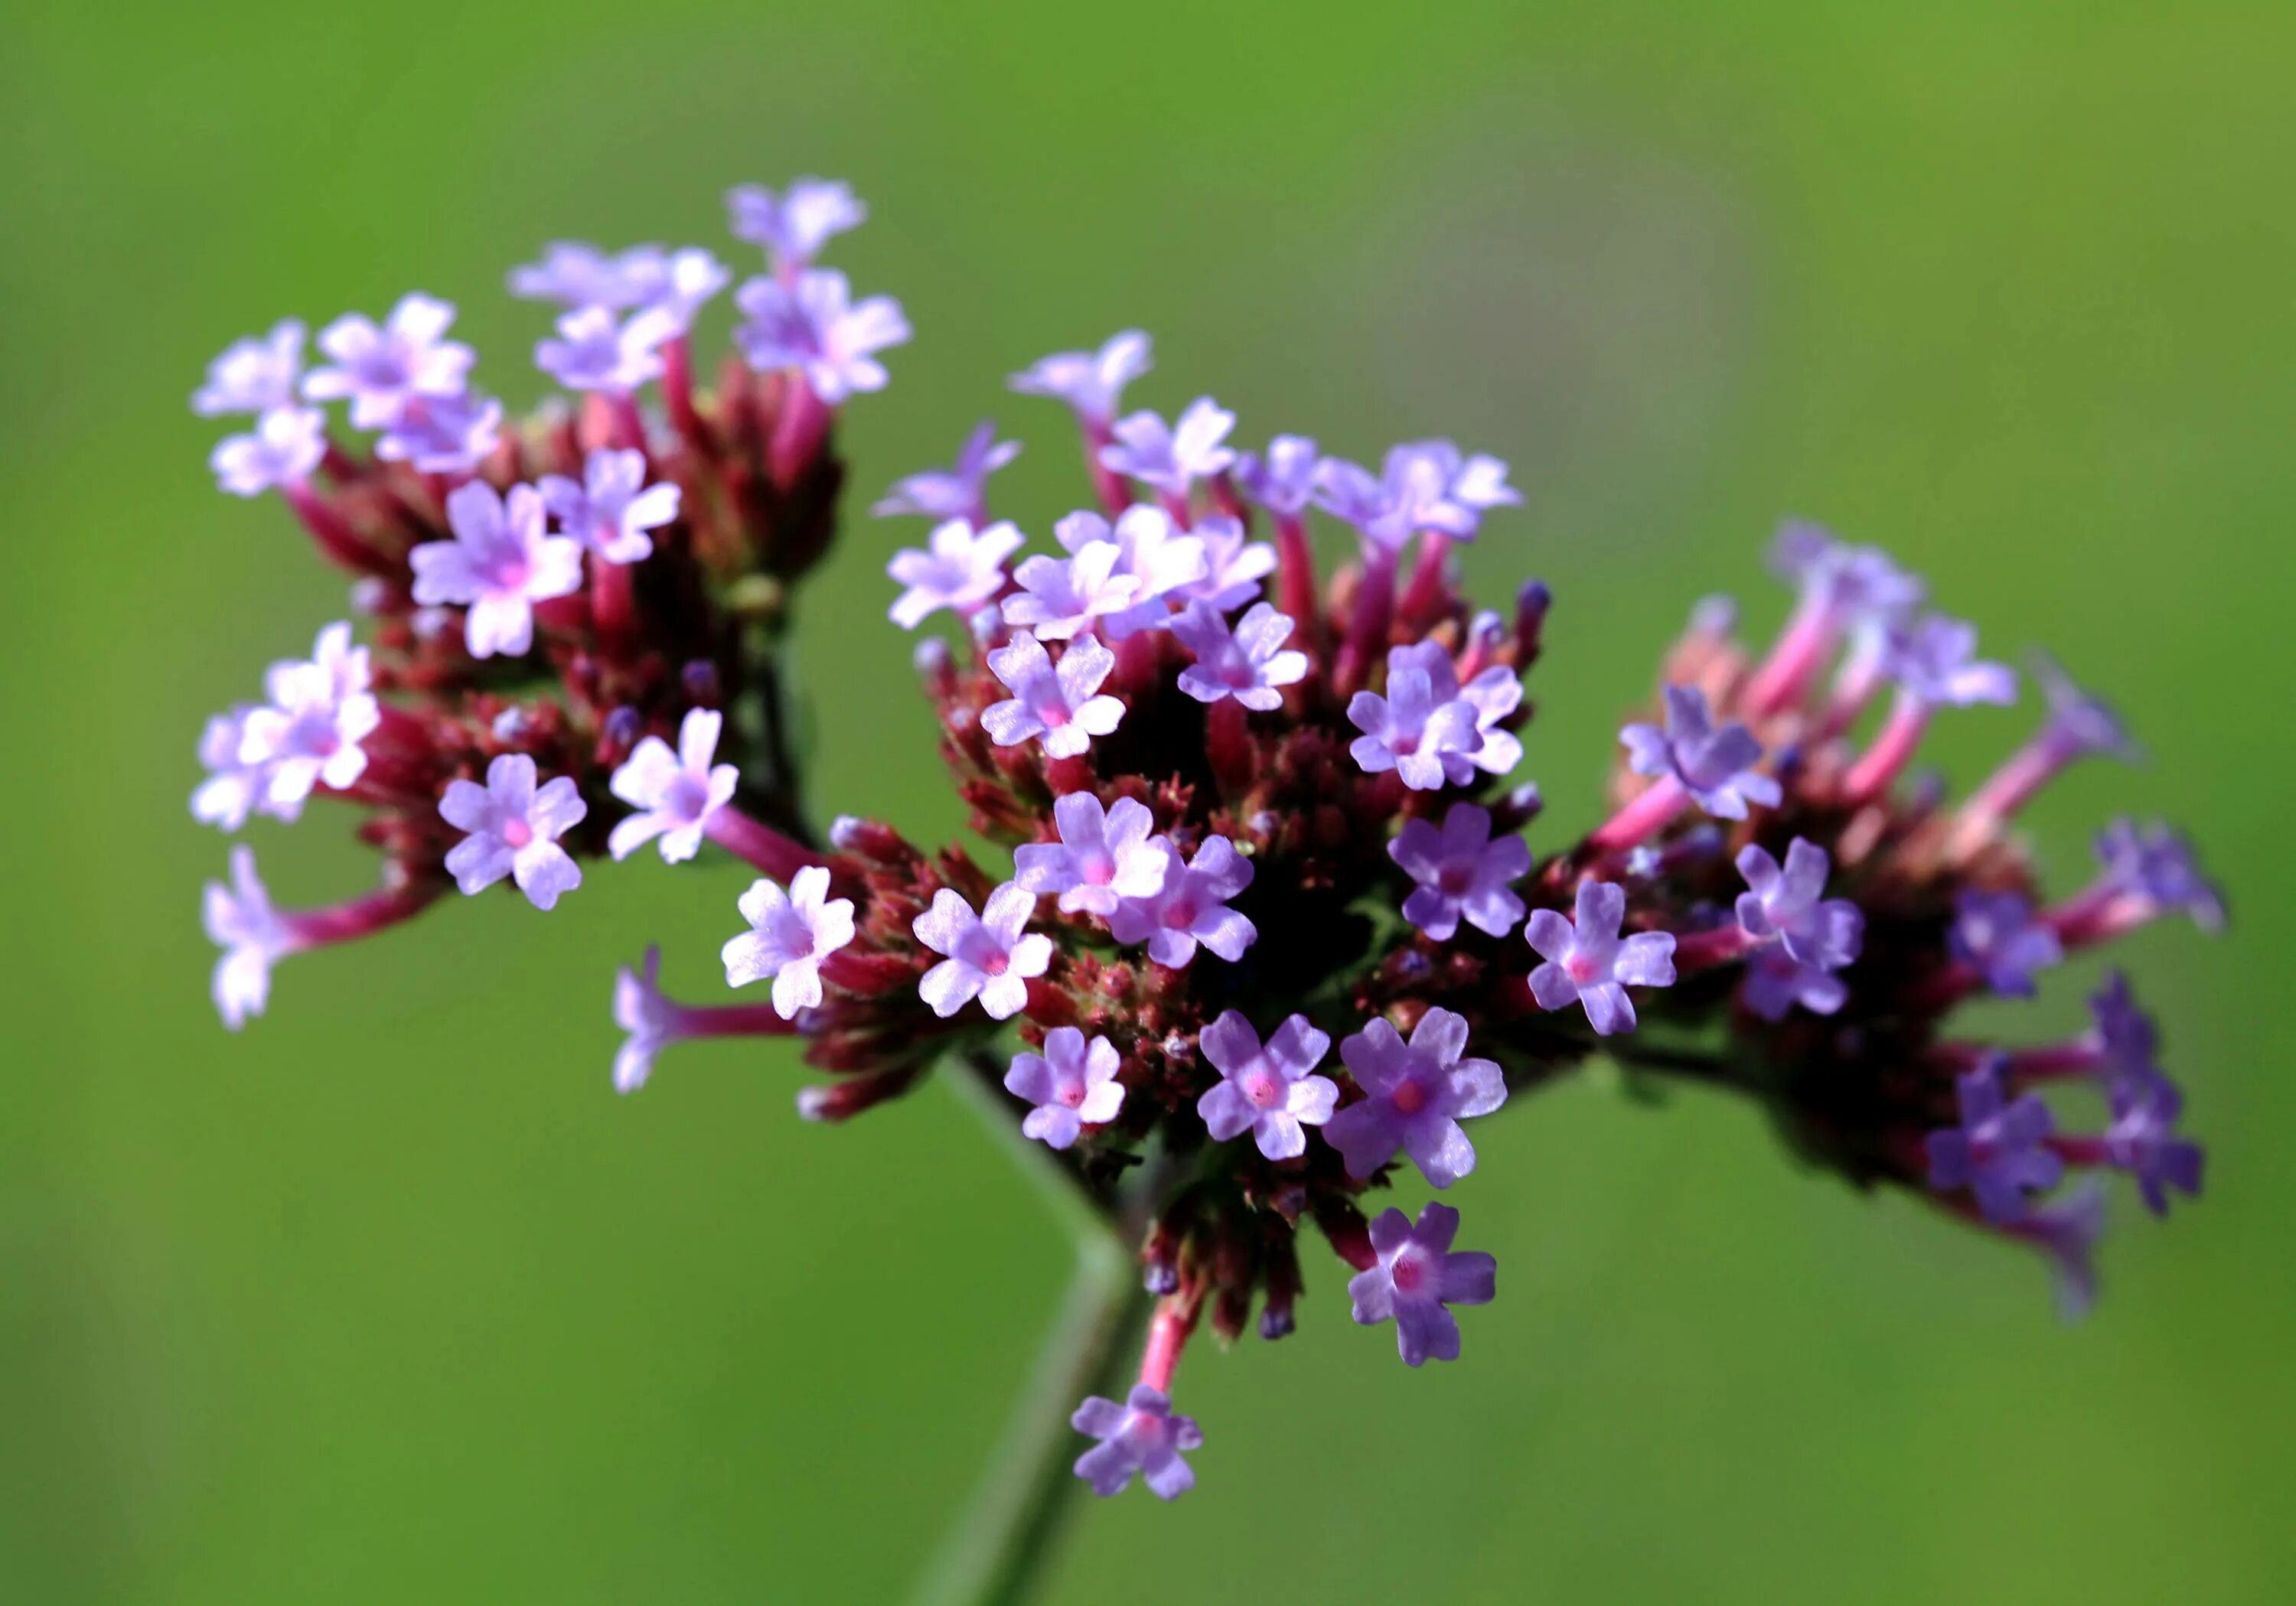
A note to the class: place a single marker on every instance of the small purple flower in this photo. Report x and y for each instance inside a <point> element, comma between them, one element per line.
<point>691,278</point>
<point>1425,739</point>
<point>1269,1091</point>
<point>813,326</point>
<point>1191,909</point>
<point>514,830</point>
<point>1715,766</point>
<point>1415,1096</point>
<point>789,934</point>
<point>954,493</point>
<point>610,509</point>
<point>443,434</point>
<point>499,564</point>
<point>1422,485</point>
<point>1072,1085</point>
<point>1101,857</point>
<point>254,375</point>
<point>575,275</point>
<point>675,793</point>
<point>1060,597</point>
<point>233,788</point>
<point>1996,935</point>
<point>284,448</point>
<point>1775,982</point>
<point>381,369</point>
<point>963,570</point>
<point>1139,1436</point>
<point>1092,383</point>
<point>2127,1042</point>
<point>1936,662</point>
<point>796,223</point>
<point>1418,1276</point>
<point>595,350</point>
<point>2000,1150</point>
<point>2142,1141</point>
<point>1790,906</point>
<point>988,957</point>
<point>2157,864</point>
<point>1857,587</point>
<point>240,921</point>
<point>319,711</point>
<point>2080,723</point>
<point>1283,479</point>
<point>1234,567</point>
<point>1055,703</point>
<point>2067,1228</point>
<point>1250,665</point>
<point>1170,457</point>
<point>651,1019</point>
<point>1461,871</point>
<point>1587,963</point>
<point>1152,551</point>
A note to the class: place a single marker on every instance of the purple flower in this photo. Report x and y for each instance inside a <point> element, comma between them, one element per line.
<point>1856,587</point>
<point>1714,766</point>
<point>1422,485</point>
<point>595,350</point>
<point>988,957</point>
<point>651,1019</point>
<point>964,569</point>
<point>2079,723</point>
<point>1415,1096</point>
<point>1281,480</point>
<point>2067,1228</point>
<point>1170,457</point>
<point>1417,1276</point>
<point>954,493</point>
<point>795,225</point>
<point>285,446</point>
<point>610,510</point>
<point>1071,1084</point>
<point>499,564</point>
<point>380,370</point>
<point>575,274</point>
<point>813,327</point>
<point>2156,863</point>
<point>1461,871</point>
<point>1151,551</point>
<point>1058,598</point>
<point>1234,567</point>
<point>2000,1150</point>
<point>789,934</point>
<point>1429,729</point>
<point>1092,383</point>
<point>1587,963</point>
<point>240,921</point>
<point>1249,666</point>
<point>2142,1141</point>
<point>513,831</point>
<point>1191,909</point>
<point>1267,1091</point>
<point>443,434</point>
<point>1139,1436</point>
<point>1054,703</point>
<point>254,375</point>
<point>692,277</point>
<point>233,788</point>
<point>1775,982</point>
<point>676,793</point>
<point>1100,859</point>
<point>2127,1042</point>
<point>1936,662</point>
<point>1996,935</point>
<point>319,711</point>
<point>1789,905</point>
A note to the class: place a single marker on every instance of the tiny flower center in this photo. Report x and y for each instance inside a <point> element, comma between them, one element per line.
<point>995,963</point>
<point>688,796</point>
<point>1099,869</point>
<point>1263,1089</point>
<point>1410,1098</point>
<point>1179,915</point>
<point>1072,1094</point>
<point>1455,879</point>
<point>1583,968</point>
<point>1054,714</point>
<point>517,833</point>
<point>1412,1274</point>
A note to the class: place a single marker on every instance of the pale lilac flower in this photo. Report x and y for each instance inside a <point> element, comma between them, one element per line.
<point>1408,730</point>
<point>499,564</point>
<point>789,934</point>
<point>443,434</point>
<point>1790,906</point>
<point>1461,871</point>
<point>1103,856</point>
<point>675,792</point>
<point>651,1019</point>
<point>284,448</point>
<point>2080,723</point>
<point>1858,588</point>
<point>1416,1095</point>
<point>1269,1091</point>
<point>691,279</point>
<point>1060,597</point>
<point>1488,699</point>
<point>1092,383</point>
<point>1284,478</point>
<point>2156,863</point>
<point>796,223</point>
<point>1251,665</point>
<point>252,935</point>
<point>513,831</point>
<point>2067,1228</point>
<point>2142,1141</point>
<point>988,956</point>
<point>1234,567</point>
<point>1161,559</point>
<point>1999,1151</point>
<point>254,375</point>
<point>813,326</point>
<point>1996,935</point>
<point>1775,982</point>
<point>1422,485</point>
<point>318,712</point>
<point>233,788</point>
<point>610,508</point>
<point>960,492</point>
<point>381,369</point>
<point>1715,766</point>
<point>1170,457</point>
<point>1072,1085</point>
<point>1057,704</point>
<point>1191,909</point>
<point>576,274</point>
<point>963,570</point>
<point>1587,963</point>
<point>1417,1276</point>
<point>1935,661</point>
<point>1139,1436</point>
<point>595,350</point>
<point>2127,1042</point>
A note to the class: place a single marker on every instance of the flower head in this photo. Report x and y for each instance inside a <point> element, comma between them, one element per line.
<point>2157,864</point>
<point>1776,981</point>
<point>814,327</point>
<point>499,564</point>
<point>1171,457</point>
<point>789,934</point>
<point>381,369</point>
<point>1234,566</point>
<point>651,1019</point>
<point>1139,1436</point>
<point>1060,597</point>
<point>1587,963</point>
<point>1282,479</point>
<point>1092,383</point>
<point>1103,856</point>
<point>2142,1141</point>
<point>961,569</point>
<point>284,448</point>
<point>1152,551</point>
<point>1250,665</point>
<point>674,792</point>
<point>2079,721</point>
<point>954,493</point>
<point>1055,703</point>
<point>309,732</point>
<point>1936,662</point>
<point>988,957</point>
<point>1462,873</point>
<point>254,375</point>
<point>610,509</point>
<point>240,921</point>
<point>595,350</point>
<point>443,434</point>
<point>796,223</point>
<point>1265,1090</point>
<point>1716,766</point>
<point>1427,728</point>
<point>1416,1095</point>
<point>576,275</point>
<point>1996,935</point>
<point>1072,1085</point>
<point>1417,1278</point>
<point>1999,1151</point>
<point>1191,907</point>
<point>1789,905</point>
<point>514,830</point>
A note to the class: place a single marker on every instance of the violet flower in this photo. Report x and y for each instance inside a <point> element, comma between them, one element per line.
<point>1996,935</point>
<point>2000,1150</point>
<point>1715,766</point>
<point>1092,383</point>
<point>1776,981</point>
<point>1170,457</point>
<point>1250,665</point>
<point>1425,741</point>
<point>308,734</point>
<point>961,569</point>
<point>233,788</point>
<point>1269,1090</point>
<point>814,327</point>
<point>794,225</point>
<point>1191,907</point>
<point>1587,963</point>
<point>499,564</point>
<point>2067,1229</point>
<point>1060,597</point>
<point>381,369</point>
<point>675,792</point>
<point>1418,1276</point>
<point>284,449</point>
<point>1461,871</point>
<point>240,921</point>
<point>960,492</point>
<point>514,830</point>
<point>1789,905</point>
<point>1155,553</point>
<point>1936,663</point>
<point>988,956</point>
<point>595,350</point>
<point>255,374</point>
<point>1234,566</point>
<point>2127,1042</point>
<point>791,932</point>
<point>2142,1141</point>
<point>2156,863</point>
<point>1072,1085</point>
<point>1284,478</point>
<point>611,508</point>
<point>443,434</point>
<point>1055,703</point>
<point>1139,1436</point>
<point>1416,1095</point>
<point>1101,857</point>
<point>575,274</point>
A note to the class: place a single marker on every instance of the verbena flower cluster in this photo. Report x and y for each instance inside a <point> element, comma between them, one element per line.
<point>1271,935</point>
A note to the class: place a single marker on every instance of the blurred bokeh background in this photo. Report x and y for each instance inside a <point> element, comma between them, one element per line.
<point>389,1298</point>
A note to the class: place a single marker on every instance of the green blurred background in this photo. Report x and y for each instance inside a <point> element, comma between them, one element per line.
<point>390,1299</point>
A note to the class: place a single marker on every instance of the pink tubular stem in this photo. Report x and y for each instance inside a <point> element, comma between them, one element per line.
<point>1794,662</point>
<point>1168,1335</point>
<point>1430,579</point>
<point>1115,494</point>
<point>1649,813</point>
<point>362,916</point>
<point>1374,611</point>
<point>761,845</point>
<point>1703,950</point>
<point>1882,764</point>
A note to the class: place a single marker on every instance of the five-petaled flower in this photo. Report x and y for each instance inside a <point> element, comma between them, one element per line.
<point>610,508</point>
<point>789,934</point>
<point>954,493</point>
<point>1994,935</point>
<point>1072,1085</point>
<point>1999,1151</point>
<point>499,564</point>
<point>595,350</point>
<point>963,569</point>
<point>1060,597</point>
<point>1418,1277</point>
<point>443,434</point>
<point>1462,873</point>
<point>1716,766</point>
<point>514,829</point>
<point>255,374</point>
<point>1103,856</point>
<point>309,734</point>
<point>676,793</point>
<point>1191,907</point>
<point>1283,479</point>
<point>1252,664</point>
<point>796,223</point>
<point>988,956</point>
<point>1139,1436</point>
<point>1170,457</point>
<point>575,275</point>
<point>1056,704</point>
<point>1588,961</point>
<point>240,921</point>
<point>1092,383</point>
<point>1790,906</point>
<point>284,448</point>
<point>1270,1090</point>
<point>1935,662</point>
<point>814,327</point>
<point>2142,1140</point>
<point>380,370</point>
<point>1415,1096</point>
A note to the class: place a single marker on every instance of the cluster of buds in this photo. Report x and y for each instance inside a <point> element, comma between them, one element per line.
<point>1271,933</point>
